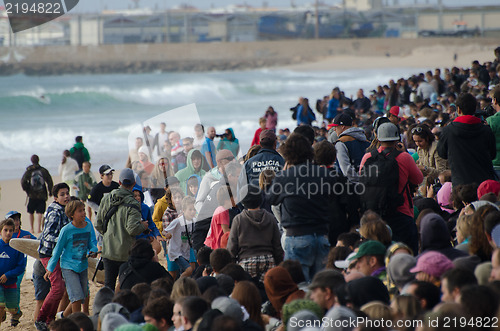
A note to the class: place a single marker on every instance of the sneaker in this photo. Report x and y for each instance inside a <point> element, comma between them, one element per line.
<point>59,315</point>
<point>41,326</point>
<point>14,321</point>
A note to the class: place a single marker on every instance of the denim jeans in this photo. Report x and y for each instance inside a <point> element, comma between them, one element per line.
<point>310,250</point>
<point>42,287</point>
<point>182,263</point>
<point>76,284</point>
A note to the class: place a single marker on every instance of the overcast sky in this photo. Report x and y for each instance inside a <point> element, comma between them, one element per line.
<point>93,6</point>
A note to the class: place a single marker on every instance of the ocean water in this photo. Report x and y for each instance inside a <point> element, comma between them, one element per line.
<point>107,109</point>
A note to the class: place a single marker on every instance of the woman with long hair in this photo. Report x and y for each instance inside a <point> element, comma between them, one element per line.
<point>429,162</point>
<point>247,294</point>
<point>305,115</point>
<point>161,171</point>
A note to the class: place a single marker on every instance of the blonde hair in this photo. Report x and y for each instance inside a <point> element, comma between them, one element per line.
<point>464,224</point>
<point>184,287</point>
<point>266,178</point>
<point>406,307</point>
<point>377,310</point>
<point>72,206</point>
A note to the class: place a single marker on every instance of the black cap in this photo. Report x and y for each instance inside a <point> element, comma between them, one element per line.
<point>342,119</point>
<point>105,169</point>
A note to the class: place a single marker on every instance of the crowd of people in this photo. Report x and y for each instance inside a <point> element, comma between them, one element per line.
<point>385,215</point>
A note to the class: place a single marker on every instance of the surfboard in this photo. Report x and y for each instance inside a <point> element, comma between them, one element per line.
<point>30,247</point>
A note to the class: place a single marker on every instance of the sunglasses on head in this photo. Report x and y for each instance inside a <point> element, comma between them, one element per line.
<point>418,129</point>
<point>229,158</point>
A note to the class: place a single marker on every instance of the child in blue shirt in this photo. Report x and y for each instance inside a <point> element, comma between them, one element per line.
<point>12,264</point>
<point>18,233</point>
<point>75,240</point>
<point>154,235</point>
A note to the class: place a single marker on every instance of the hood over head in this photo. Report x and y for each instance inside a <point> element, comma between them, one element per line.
<point>434,233</point>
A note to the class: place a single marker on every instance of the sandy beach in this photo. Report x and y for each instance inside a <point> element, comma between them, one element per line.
<point>13,198</point>
<point>421,58</point>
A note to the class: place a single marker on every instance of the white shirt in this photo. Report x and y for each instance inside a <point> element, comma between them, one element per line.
<point>179,244</point>
<point>68,169</point>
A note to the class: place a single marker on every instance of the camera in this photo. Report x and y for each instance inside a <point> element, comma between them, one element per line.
<point>436,186</point>
<point>224,135</point>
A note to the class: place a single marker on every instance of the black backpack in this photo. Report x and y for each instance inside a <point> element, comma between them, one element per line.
<point>380,176</point>
<point>78,156</point>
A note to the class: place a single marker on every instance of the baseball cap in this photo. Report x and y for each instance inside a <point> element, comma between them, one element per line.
<point>12,213</point>
<point>399,267</point>
<point>388,132</point>
<point>267,135</point>
<point>344,264</point>
<point>395,110</point>
<point>113,307</point>
<point>127,177</point>
<point>229,307</point>
<point>105,169</point>
<point>370,247</point>
<point>432,263</point>
<point>488,186</point>
<point>342,119</point>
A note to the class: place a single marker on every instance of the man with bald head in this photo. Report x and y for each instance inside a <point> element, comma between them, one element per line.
<point>208,148</point>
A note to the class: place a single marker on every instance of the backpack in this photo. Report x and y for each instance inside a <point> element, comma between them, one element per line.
<point>380,177</point>
<point>37,182</point>
<point>78,156</point>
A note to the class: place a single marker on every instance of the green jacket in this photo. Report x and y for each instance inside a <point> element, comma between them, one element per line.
<point>86,155</point>
<point>123,226</point>
<point>494,123</point>
<point>184,174</point>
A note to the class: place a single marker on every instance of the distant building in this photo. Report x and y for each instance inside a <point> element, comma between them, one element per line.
<point>363,5</point>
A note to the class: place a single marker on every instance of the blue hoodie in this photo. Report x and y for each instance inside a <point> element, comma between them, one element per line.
<point>146,216</point>
<point>199,182</point>
<point>12,263</point>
